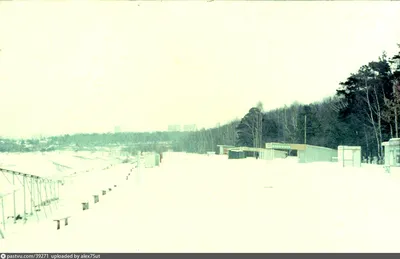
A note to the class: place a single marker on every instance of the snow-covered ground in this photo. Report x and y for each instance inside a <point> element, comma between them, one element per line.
<point>76,168</point>
<point>199,203</point>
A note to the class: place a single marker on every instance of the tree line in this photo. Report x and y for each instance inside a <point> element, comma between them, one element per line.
<point>131,142</point>
<point>363,112</point>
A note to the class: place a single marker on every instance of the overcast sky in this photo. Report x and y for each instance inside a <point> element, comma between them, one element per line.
<point>88,67</point>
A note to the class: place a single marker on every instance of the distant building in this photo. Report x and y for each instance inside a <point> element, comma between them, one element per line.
<point>174,127</point>
<point>117,129</point>
<point>190,127</point>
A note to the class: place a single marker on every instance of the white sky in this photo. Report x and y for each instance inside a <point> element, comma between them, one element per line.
<point>87,67</point>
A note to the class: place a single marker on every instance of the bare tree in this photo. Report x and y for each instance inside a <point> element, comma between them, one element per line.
<point>249,129</point>
<point>337,104</point>
<point>373,109</point>
<point>291,118</point>
<point>393,104</point>
<point>259,124</point>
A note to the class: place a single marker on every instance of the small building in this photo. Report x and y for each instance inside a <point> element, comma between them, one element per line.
<point>223,149</point>
<point>316,154</point>
<point>349,156</point>
<point>157,159</point>
<point>392,152</point>
<point>190,127</point>
<point>236,154</point>
<point>149,160</point>
<point>174,128</point>
<point>305,153</point>
<point>270,154</point>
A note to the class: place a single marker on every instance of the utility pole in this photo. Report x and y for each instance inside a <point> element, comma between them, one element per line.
<point>305,129</point>
<point>396,103</point>
<point>393,67</point>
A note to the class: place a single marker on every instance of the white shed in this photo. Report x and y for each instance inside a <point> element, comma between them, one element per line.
<point>158,158</point>
<point>149,160</point>
<point>392,152</point>
<point>310,153</point>
<point>349,156</point>
<point>270,154</point>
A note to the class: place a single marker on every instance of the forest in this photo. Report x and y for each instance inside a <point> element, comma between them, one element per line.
<point>363,112</point>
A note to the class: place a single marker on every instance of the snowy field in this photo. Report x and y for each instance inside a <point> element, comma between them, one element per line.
<point>199,203</point>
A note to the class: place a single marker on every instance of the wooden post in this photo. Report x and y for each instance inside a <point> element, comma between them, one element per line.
<point>15,208</point>
<point>2,209</point>
<point>51,198</point>
<point>85,205</point>
<point>32,196</point>
<point>4,218</point>
<point>58,189</point>
<point>33,202</point>
<point>58,224</point>
<point>305,129</point>
<point>55,191</point>
<point>47,202</point>
<point>40,196</point>
<point>343,155</point>
<point>24,184</point>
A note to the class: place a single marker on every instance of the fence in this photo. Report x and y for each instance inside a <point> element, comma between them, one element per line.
<point>25,195</point>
